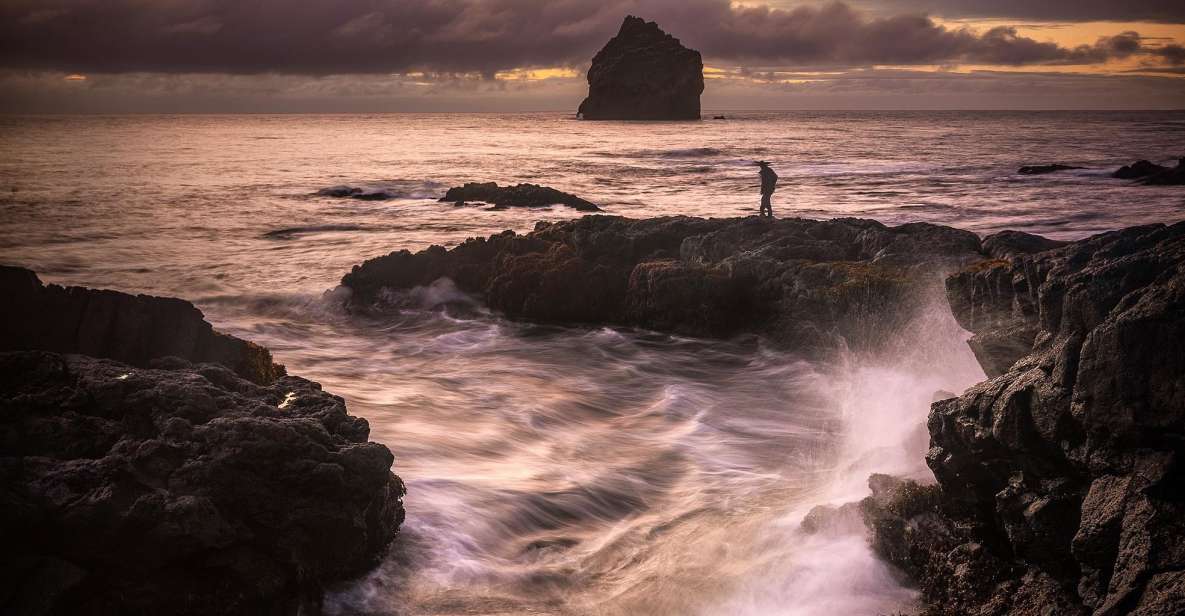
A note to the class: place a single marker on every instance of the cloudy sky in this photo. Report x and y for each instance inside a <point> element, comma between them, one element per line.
<point>508,55</point>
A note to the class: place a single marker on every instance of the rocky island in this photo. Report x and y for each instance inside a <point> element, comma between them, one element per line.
<point>644,73</point>
<point>153,465</point>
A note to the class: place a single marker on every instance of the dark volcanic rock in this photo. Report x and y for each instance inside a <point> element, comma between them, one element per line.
<point>181,489</point>
<point>1043,169</point>
<point>519,195</point>
<point>644,73</point>
<point>1065,470</point>
<point>1138,169</point>
<point>801,282</point>
<point>130,328</point>
<point>913,528</point>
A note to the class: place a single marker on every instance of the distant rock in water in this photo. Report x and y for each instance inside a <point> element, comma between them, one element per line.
<point>147,484</point>
<point>1061,487</point>
<point>802,283</point>
<point>644,73</point>
<point>519,195</point>
<point>133,329</point>
<point>1138,169</point>
<point>293,232</point>
<point>1152,174</point>
<point>354,192</point>
<point>1171,177</point>
<point>1043,169</point>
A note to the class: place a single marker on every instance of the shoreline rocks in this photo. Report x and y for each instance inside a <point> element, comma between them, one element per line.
<point>130,328</point>
<point>173,476</point>
<point>803,283</point>
<point>519,195</point>
<point>644,73</point>
<point>1060,480</point>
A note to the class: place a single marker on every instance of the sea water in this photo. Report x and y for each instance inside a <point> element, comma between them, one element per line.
<point>555,470</point>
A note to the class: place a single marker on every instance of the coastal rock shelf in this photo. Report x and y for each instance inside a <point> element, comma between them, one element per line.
<point>644,73</point>
<point>799,282</point>
<point>148,484</point>
<point>1060,482</point>
<point>129,328</point>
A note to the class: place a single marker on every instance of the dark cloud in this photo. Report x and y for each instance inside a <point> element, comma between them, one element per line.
<point>1168,11</point>
<point>320,37</point>
<point>1172,54</point>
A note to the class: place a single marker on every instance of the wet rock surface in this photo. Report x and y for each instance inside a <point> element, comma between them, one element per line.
<point>519,195</point>
<point>644,73</point>
<point>1061,487</point>
<point>799,282</point>
<point>130,328</point>
<point>181,489</point>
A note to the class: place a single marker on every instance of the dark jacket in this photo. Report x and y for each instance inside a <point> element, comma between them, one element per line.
<point>769,180</point>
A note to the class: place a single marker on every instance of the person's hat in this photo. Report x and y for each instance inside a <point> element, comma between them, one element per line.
<point>761,163</point>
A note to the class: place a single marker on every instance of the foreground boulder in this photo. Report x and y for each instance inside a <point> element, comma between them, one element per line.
<point>147,484</point>
<point>1061,487</point>
<point>644,73</point>
<point>133,329</point>
<point>801,283</point>
<point>519,195</point>
<point>181,489</point>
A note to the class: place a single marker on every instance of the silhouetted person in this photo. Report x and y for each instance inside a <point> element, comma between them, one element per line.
<point>769,183</point>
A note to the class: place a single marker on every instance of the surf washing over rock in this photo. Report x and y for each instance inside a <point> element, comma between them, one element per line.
<point>1058,481</point>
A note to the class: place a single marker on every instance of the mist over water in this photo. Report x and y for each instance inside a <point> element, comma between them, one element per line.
<point>569,470</point>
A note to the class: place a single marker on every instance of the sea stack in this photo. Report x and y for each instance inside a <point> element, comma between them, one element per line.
<point>644,73</point>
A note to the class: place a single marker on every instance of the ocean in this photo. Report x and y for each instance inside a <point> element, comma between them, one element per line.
<point>580,470</point>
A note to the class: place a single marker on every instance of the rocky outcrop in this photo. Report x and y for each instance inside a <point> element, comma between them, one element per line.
<point>142,483</point>
<point>1043,169</point>
<point>519,195</point>
<point>133,329</point>
<point>914,528</point>
<point>181,489</point>
<point>802,283</point>
<point>644,73</point>
<point>1061,487</point>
